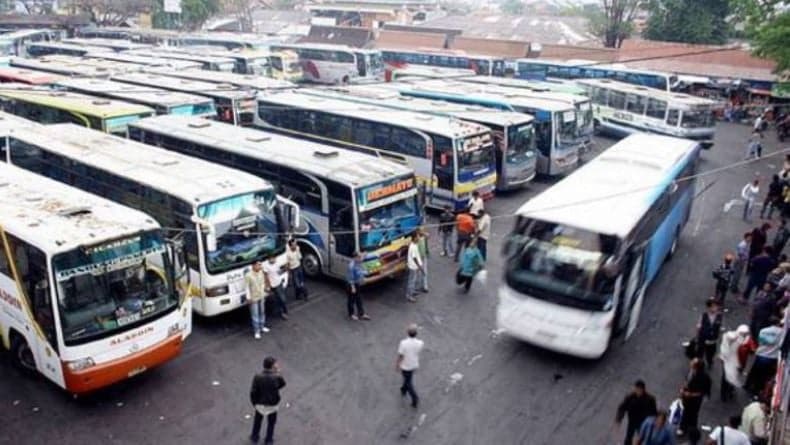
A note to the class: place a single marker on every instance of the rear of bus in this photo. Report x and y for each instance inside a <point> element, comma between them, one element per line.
<point>117,122</point>
<point>388,213</point>
<point>197,109</point>
<point>476,168</point>
<point>285,66</point>
<point>519,160</point>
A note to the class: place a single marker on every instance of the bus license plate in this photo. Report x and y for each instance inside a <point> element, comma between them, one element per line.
<point>136,371</point>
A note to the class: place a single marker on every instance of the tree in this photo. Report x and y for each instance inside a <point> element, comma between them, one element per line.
<point>112,12</point>
<point>699,21</point>
<point>612,22</point>
<point>772,40</point>
<point>36,7</point>
<point>194,13</point>
<point>512,7</point>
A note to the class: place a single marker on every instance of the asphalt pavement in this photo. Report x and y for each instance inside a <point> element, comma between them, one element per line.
<point>477,386</point>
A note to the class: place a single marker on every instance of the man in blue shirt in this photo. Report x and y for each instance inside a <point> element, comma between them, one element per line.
<point>354,278</point>
<point>656,431</point>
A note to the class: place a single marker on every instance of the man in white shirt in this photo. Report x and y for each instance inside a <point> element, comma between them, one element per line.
<point>728,435</point>
<point>483,232</point>
<point>256,282</point>
<point>476,203</point>
<point>295,271</point>
<point>414,263</point>
<point>275,282</point>
<point>754,422</point>
<point>408,361</point>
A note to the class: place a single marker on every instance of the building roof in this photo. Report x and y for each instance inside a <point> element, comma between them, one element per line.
<point>56,217</point>
<point>339,35</point>
<point>541,29</point>
<point>491,47</point>
<point>410,40</point>
<point>448,32</point>
<point>596,53</point>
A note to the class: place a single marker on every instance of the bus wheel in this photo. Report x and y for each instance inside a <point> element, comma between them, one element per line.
<point>345,80</point>
<point>21,354</point>
<point>311,263</point>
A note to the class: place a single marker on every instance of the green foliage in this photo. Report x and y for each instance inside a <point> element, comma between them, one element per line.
<point>612,22</point>
<point>698,21</point>
<point>512,7</point>
<point>772,40</point>
<point>194,14</point>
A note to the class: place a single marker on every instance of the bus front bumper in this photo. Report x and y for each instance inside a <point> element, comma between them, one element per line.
<point>114,371</point>
<point>551,326</point>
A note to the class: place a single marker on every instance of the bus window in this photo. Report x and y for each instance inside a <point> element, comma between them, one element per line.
<point>31,266</point>
<point>543,137</point>
<point>673,117</point>
<point>599,95</point>
<point>444,167</point>
<point>361,69</point>
<point>656,108</point>
<point>635,104</point>
<point>617,100</point>
<point>408,143</point>
<point>341,219</point>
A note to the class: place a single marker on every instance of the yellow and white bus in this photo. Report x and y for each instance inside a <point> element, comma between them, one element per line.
<point>88,293</point>
<point>226,219</point>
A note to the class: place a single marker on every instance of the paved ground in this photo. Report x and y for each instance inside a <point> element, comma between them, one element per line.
<point>476,386</point>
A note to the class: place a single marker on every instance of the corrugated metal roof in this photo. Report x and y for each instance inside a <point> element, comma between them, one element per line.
<point>409,40</point>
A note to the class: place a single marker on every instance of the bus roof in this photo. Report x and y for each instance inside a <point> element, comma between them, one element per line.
<point>65,46</point>
<point>56,217</point>
<point>225,91</point>
<point>388,97</point>
<point>135,93</point>
<point>107,43</point>
<point>326,46</point>
<point>165,54</point>
<point>9,121</point>
<point>505,91</point>
<point>28,76</point>
<point>22,33</point>
<point>80,103</point>
<point>559,86</point>
<point>621,181</point>
<point>437,52</point>
<point>142,60</point>
<point>670,97</point>
<point>191,179</point>
<point>345,166</point>
<point>254,81</point>
<point>434,72</point>
<point>74,66</point>
<point>445,126</point>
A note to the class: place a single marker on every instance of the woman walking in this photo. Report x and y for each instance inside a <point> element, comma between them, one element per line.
<point>471,263</point>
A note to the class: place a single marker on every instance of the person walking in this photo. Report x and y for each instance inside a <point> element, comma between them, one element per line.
<point>754,149</point>
<point>741,260</point>
<point>655,430</point>
<point>731,367</point>
<point>759,268</point>
<point>749,193</point>
<point>275,280</point>
<point>695,389</point>
<point>265,398</point>
<point>295,270</point>
<point>476,203</point>
<point>354,279</point>
<point>464,229</point>
<point>483,232</point>
<point>754,420</point>
<point>471,263</point>
<point>414,264</point>
<point>758,240</point>
<point>638,405</point>
<point>763,310</point>
<point>256,285</point>
<point>769,343</point>
<point>773,199</point>
<point>728,434</point>
<point>723,275</point>
<point>446,223</point>
<point>780,238</point>
<point>709,330</point>
<point>422,243</point>
<point>408,362</point>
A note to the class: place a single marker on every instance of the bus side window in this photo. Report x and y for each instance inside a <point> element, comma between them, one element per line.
<point>5,269</point>
<point>617,100</point>
<point>673,117</point>
<point>31,268</point>
<point>656,108</point>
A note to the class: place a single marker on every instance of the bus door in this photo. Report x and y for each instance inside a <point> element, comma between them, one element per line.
<point>440,189</point>
<point>362,70</point>
<point>226,111</point>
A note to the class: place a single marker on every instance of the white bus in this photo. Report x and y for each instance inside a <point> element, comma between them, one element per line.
<point>15,43</point>
<point>75,66</point>
<point>154,62</point>
<point>452,158</point>
<point>210,63</point>
<point>162,101</point>
<point>226,219</point>
<point>513,133</point>
<point>583,252</point>
<point>544,69</point>
<point>622,109</point>
<point>333,64</point>
<point>88,293</point>
<point>246,81</point>
<point>111,44</point>
<point>350,201</point>
<point>40,49</point>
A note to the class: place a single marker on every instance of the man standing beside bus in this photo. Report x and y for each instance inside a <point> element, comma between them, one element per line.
<point>256,282</point>
<point>354,279</point>
<point>446,223</point>
<point>476,203</point>
<point>414,263</point>
<point>275,283</point>
<point>295,270</point>
<point>483,232</point>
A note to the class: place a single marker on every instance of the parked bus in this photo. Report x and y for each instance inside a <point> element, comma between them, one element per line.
<point>29,77</point>
<point>15,43</point>
<point>583,252</point>
<point>47,107</point>
<point>556,128</point>
<point>452,158</point>
<point>110,44</point>
<point>513,134</point>
<point>58,48</point>
<point>88,291</point>
<point>350,201</point>
<point>226,219</point>
<point>153,62</point>
<point>242,81</point>
<point>483,65</point>
<point>228,40</point>
<point>542,69</point>
<point>622,109</point>
<point>162,101</point>
<point>75,66</point>
<point>233,105</point>
<point>417,72</point>
<point>210,63</point>
<point>333,64</point>
<point>282,65</point>
<point>551,85</point>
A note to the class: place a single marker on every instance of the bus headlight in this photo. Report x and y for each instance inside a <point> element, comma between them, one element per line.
<point>79,365</point>
<point>217,291</point>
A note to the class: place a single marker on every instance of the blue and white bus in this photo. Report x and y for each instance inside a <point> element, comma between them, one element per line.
<point>583,252</point>
<point>542,69</point>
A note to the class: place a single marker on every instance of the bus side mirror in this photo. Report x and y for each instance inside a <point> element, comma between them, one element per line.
<point>211,241</point>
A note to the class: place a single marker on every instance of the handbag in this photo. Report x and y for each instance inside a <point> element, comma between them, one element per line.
<point>675,412</point>
<point>691,348</point>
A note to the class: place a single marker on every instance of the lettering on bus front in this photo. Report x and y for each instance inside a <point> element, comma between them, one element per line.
<point>388,190</point>
<point>131,335</point>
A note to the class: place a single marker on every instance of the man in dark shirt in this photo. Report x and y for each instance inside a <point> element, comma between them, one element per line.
<point>696,388</point>
<point>759,238</point>
<point>639,405</point>
<point>759,268</point>
<point>265,398</point>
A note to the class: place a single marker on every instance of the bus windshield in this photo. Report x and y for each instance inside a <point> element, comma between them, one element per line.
<point>378,227</point>
<point>105,287</point>
<point>701,118</point>
<point>258,65</point>
<point>562,264</point>
<point>566,126</point>
<point>519,143</point>
<point>474,155</point>
<point>247,228</point>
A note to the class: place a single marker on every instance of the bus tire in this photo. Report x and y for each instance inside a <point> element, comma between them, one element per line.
<point>21,354</point>
<point>345,80</point>
<point>674,247</point>
<point>311,262</point>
